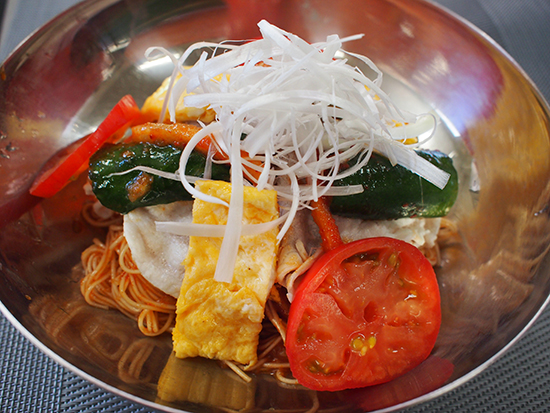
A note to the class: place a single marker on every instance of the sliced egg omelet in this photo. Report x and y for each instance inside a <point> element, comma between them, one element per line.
<point>221,320</point>
<point>153,106</point>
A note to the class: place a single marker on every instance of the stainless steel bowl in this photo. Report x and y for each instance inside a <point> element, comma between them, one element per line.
<point>62,81</point>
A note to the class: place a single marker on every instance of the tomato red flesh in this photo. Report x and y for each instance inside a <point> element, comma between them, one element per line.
<point>365,313</point>
<point>61,168</point>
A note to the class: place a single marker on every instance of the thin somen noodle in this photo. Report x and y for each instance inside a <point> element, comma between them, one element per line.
<point>99,216</point>
<point>112,280</point>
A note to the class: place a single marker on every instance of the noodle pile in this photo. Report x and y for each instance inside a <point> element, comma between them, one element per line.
<point>112,280</point>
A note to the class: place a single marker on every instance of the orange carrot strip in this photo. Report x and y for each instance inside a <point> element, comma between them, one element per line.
<point>179,134</point>
<point>330,234</point>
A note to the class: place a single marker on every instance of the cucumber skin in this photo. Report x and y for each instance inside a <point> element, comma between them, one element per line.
<point>392,192</point>
<point>111,190</point>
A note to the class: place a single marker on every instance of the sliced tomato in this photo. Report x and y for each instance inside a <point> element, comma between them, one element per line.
<point>365,313</point>
<point>64,165</point>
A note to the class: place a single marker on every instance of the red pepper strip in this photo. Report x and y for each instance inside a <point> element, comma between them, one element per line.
<point>61,169</point>
<point>330,234</point>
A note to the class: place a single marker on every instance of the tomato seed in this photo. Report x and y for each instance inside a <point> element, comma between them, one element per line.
<point>371,342</point>
<point>393,260</point>
<point>359,344</point>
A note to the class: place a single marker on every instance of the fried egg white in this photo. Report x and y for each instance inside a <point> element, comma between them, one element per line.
<point>223,320</point>
<point>420,232</point>
<point>158,255</point>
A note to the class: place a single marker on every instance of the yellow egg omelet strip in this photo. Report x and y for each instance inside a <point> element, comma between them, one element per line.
<point>223,320</point>
<point>153,106</point>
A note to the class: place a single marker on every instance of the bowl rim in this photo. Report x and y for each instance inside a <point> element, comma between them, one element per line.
<point>69,13</point>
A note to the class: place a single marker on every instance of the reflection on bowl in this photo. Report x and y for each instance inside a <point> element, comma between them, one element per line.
<point>494,275</point>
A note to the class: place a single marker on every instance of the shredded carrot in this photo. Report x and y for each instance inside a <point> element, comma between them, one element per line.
<point>179,134</point>
<point>330,234</point>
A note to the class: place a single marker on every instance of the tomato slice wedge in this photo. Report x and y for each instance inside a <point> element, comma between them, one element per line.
<point>365,313</point>
<point>64,165</point>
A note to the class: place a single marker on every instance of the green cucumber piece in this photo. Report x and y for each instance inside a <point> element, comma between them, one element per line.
<point>127,191</point>
<point>392,192</point>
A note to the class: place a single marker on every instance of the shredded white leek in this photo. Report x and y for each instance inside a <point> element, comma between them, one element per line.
<point>158,172</point>
<point>215,231</point>
<point>147,169</point>
<point>299,110</point>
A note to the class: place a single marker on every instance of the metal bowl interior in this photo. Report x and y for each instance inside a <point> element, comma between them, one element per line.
<point>62,81</point>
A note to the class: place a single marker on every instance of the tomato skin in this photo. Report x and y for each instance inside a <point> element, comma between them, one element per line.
<point>68,163</point>
<point>365,313</point>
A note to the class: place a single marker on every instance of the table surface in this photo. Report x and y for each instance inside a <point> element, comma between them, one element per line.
<point>516,382</point>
